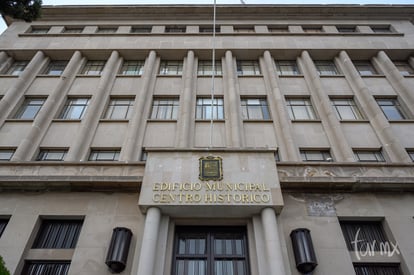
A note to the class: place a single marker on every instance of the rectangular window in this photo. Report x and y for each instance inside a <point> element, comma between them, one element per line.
<point>312,29</point>
<point>206,109</point>
<point>93,67</point>
<point>300,109</point>
<point>205,67</point>
<point>381,29</point>
<point>52,155</point>
<point>369,156</point>
<point>73,30</point>
<point>411,154</point>
<point>243,29</point>
<point>366,233</point>
<point>175,29</point>
<point>346,29</point>
<point>75,108</point>
<point>326,68</point>
<point>365,68</point>
<point>3,224</point>
<point>315,155</point>
<point>278,29</point>
<point>17,67</point>
<point>132,67</point>
<point>287,67</point>
<point>46,267</point>
<point>141,29</point>
<point>391,109</point>
<point>208,29</point>
<point>55,67</point>
<point>165,108</point>
<point>104,155</point>
<point>404,68</point>
<point>39,30</point>
<point>171,67</point>
<point>255,108</point>
<point>210,250</point>
<point>6,154</point>
<point>346,109</point>
<point>119,108</point>
<point>248,67</point>
<point>29,108</point>
<point>377,269</point>
<point>58,234</point>
<point>106,30</point>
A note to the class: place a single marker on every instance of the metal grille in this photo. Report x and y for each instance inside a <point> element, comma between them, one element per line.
<point>58,234</point>
<point>363,235</point>
<point>46,268</point>
<point>377,269</point>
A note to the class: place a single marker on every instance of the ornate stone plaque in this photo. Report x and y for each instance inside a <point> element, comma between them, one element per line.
<point>211,168</point>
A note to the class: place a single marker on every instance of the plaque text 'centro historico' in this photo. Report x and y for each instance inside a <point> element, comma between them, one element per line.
<point>210,192</point>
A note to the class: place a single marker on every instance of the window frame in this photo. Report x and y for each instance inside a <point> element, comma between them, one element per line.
<point>106,30</point>
<point>175,29</point>
<point>365,68</point>
<point>410,152</point>
<point>305,108</point>
<point>66,112</point>
<point>44,154</point>
<point>347,29</point>
<point>142,29</point>
<point>251,114</point>
<point>254,66</point>
<point>404,68</point>
<point>93,67</point>
<point>136,65</point>
<point>50,71</point>
<point>230,234</point>
<point>29,107</point>
<point>64,271</point>
<point>115,106</point>
<point>203,108</point>
<point>73,29</point>
<point>171,67</point>
<point>351,107</point>
<point>392,109</point>
<point>17,68</point>
<point>97,154</point>
<point>291,65</point>
<point>376,154</point>
<point>326,68</point>
<point>205,68</point>
<point>165,108</point>
<point>7,152</point>
<point>325,155</point>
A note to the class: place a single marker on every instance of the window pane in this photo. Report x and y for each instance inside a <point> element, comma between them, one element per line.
<point>6,154</point>
<point>104,155</point>
<point>326,68</point>
<point>164,108</point>
<point>391,109</point>
<point>206,67</point>
<point>171,68</point>
<point>52,155</point>
<point>365,68</point>
<point>30,108</point>
<point>93,68</point>
<point>56,67</point>
<point>248,67</point>
<point>132,68</point>
<point>119,109</point>
<point>346,109</point>
<point>369,156</point>
<point>300,108</point>
<point>74,108</point>
<point>206,110</point>
<point>255,109</point>
<point>315,155</point>
<point>58,234</point>
<point>17,67</point>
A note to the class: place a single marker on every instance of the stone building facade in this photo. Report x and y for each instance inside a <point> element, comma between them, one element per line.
<point>108,120</point>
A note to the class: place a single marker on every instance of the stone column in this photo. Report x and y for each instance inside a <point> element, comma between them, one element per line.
<point>29,145</point>
<point>234,132</point>
<point>272,241</point>
<point>390,143</point>
<point>132,147</point>
<point>287,148</point>
<point>16,92</point>
<point>185,129</point>
<point>149,242</point>
<point>81,143</point>
<point>339,144</point>
<point>395,78</point>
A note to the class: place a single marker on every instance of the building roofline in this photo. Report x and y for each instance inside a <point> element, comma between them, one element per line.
<point>145,12</point>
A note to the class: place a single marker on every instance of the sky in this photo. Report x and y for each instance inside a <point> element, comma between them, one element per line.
<point>157,2</point>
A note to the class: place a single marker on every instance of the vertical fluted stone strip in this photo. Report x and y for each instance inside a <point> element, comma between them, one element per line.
<point>232,106</point>
<point>287,148</point>
<point>14,93</point>
<point>80,145</point>
<point>396,79</point>
<point>187,100</point>
<point>339,144</point>
<point>379,122</point>
<point>31,142</point>
<point>272,241</point>
<point>149,242</point>
<point>132,147</point>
